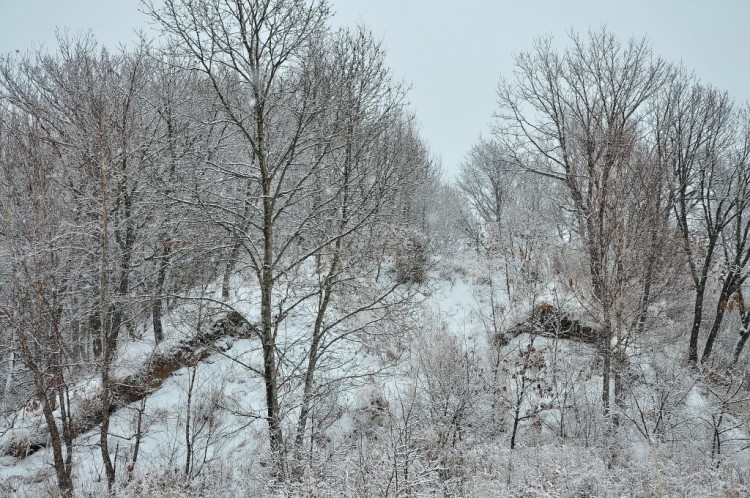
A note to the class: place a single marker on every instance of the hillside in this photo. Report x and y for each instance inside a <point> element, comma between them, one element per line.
<point>428,410</point>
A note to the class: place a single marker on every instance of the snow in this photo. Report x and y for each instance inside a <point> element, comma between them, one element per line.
<point>229,434</point>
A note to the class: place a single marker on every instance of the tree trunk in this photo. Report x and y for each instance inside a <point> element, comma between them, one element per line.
<point>48,383</point>
<point>606,351</point>
<point>106,331</point>
<point>126,244</point>
<point>744,331</point>
<point>63,468</point>
<point>744,334</point>
<point>726,293</point>
<point>268,327</point>
<point>272,410</point>
<point>157,305</point>
<point>11,370</point>
<point>308,395</point>
<point>700,291</point>
<point>326,292</point>
<point>229,268</point>
<point>188,410</point>
<point>697,318</point>
<point>620,365</point>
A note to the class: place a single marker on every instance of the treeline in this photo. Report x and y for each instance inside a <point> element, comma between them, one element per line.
<point>625,181</point>
<point>251,139</point>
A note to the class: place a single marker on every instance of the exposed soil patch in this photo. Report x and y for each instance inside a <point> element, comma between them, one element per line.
<point>189,353</point>
<point>148,378</point>
<point>549,321</point>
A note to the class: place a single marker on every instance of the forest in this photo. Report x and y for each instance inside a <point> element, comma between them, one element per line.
<point>230,265</point>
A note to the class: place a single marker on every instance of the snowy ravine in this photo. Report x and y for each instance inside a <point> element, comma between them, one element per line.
<point>445,368</point>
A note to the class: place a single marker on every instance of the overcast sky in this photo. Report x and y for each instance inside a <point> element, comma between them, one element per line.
<point>454,52</point>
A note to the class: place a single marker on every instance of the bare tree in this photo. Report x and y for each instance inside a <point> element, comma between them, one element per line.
<point>87,104</point>
<point>36,239</point>
<point>350,191</point>
<point>486,180</point>
<point>246,49</point>
<point>735,238</point>
<point>695,135</point>
<point>577,118</point>
<point>309,159</point>
<point>513,211</point>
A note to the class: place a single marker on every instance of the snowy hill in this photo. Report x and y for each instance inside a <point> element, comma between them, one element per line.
<point>435,408</point>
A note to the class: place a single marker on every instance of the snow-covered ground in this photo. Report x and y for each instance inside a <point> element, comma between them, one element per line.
<point>444,368</point>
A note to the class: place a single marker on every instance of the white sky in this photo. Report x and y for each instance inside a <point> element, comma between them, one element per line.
<point>453,52</point>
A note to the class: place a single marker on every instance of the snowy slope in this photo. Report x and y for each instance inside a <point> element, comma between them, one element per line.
<point>373,387</point>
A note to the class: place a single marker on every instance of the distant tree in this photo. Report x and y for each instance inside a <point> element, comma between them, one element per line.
<point>486,179</point>
<point>511,213</point>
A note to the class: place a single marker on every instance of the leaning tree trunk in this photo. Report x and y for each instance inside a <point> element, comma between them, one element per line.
<point>729,287</point>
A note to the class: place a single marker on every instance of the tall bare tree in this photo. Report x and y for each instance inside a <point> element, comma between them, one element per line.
<point>735,238</point>
<point>35,294</point>
<point>694,139</point>
<point>247,50</point>
<point>87,103</point>
<point>577,117</point>
<point>351,188</point>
